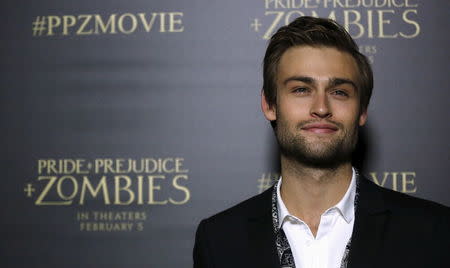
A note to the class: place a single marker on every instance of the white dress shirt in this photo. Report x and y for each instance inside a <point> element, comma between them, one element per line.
<point>335,229</point>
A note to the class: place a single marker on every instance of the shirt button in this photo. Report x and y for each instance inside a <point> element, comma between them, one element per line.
<point>308,243</point>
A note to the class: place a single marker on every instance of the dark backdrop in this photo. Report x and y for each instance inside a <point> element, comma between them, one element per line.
<point>92,87</point>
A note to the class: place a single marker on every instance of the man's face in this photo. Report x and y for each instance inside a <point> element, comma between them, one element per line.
<point>317,111</point>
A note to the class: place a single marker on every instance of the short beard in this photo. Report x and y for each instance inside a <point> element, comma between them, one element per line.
<point>330,156</point>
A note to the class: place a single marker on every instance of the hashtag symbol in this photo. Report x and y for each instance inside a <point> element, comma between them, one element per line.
<point>38,26</point>
<point>265,182</point>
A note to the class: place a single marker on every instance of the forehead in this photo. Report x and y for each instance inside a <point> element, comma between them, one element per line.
<point>320,63</point>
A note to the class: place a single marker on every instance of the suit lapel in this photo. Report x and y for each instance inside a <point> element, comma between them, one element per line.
<point>261,235</point>
<point>370,224</point>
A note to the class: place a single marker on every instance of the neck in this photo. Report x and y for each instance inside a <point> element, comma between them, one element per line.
<point>307,192</point>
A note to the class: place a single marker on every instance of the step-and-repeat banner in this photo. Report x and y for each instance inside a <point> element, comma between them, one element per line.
<point>124,123</point>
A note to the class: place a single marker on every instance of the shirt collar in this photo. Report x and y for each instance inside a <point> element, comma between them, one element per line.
<point>346,206</point>
<point>282,210</point>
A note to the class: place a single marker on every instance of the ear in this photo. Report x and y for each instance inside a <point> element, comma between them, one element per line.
<point>269,110</point>
<point>363,118</point>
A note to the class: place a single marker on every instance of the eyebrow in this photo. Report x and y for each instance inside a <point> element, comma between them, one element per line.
<point>332,82</point>
<point>335,81</point>
<point>304,79</point>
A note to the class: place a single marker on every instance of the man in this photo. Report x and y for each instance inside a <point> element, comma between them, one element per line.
<point>321,213</point>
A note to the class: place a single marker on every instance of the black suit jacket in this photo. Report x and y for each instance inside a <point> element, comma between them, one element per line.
<point>391,229</point>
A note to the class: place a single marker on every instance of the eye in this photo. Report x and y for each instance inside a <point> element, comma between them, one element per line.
<point>339,92</point>
<point>300,90</point>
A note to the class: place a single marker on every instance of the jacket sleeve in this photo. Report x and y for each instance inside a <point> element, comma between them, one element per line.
<point>440,240</point>
<point>202,258</point>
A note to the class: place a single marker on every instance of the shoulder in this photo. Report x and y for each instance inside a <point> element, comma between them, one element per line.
<point>404,224</point>
<point>256,206</point>
<point>405,205</point>
<point>220,232</point>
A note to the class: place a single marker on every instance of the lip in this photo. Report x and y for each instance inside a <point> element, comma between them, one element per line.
<point>320,128</point>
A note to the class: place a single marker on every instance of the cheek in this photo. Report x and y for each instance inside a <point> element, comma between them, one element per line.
<point>346,112</point>
<point>293,110</point>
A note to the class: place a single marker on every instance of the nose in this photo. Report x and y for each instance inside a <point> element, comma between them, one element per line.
<point>320,107</point>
